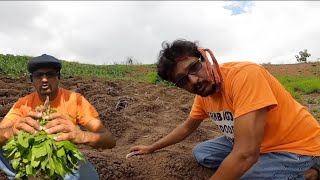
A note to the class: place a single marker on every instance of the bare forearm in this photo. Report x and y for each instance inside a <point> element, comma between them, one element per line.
<point>177,135</point>
<point>5,135</point>
<point>248,136</point>
<point>233,167</point>
<point>99,140</point>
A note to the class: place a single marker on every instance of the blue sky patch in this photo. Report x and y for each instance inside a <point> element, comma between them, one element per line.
<point>238,7</point>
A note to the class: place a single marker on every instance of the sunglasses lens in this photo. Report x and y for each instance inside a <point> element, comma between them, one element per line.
<point>195,68</point>
<point>49,74</point>
<point>37,75</point>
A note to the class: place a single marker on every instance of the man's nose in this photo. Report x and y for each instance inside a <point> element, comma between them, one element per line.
<point>44,78</point>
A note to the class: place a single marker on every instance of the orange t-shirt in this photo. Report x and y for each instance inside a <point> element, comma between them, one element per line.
<point>73,104</point>
<point>248,87</point>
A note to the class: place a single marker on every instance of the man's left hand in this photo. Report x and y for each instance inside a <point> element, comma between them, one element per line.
<point>59,123</point>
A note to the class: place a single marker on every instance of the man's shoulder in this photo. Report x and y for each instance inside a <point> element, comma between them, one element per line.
<point>237,65</point>
<point>25,100</point>
<point>230,69</point>
<point>28,97</point>
<point>69,94</point>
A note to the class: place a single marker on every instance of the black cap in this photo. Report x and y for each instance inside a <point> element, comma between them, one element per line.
<point>44,61</point>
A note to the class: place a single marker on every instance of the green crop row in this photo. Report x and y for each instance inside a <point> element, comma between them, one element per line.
<point>15,66</point>
<point>300,85</point>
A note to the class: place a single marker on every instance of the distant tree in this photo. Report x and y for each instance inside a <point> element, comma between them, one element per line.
<point>129,60</point>
<point>303,56</point>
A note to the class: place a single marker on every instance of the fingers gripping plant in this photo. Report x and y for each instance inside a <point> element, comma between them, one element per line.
<point>39,155</point>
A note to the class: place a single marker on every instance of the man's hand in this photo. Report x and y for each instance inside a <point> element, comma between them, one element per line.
<point>59,123</point>
<point>139,150</point>
<point>311,174</point>
<point>178,134</point>
<point>28,123</point>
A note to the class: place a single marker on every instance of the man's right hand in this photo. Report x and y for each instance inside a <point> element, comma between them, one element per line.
<point>177,135</point>
<point>140,149</point>
<point>27,123</point>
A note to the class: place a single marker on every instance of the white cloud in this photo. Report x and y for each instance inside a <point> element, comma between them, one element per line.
<point>104,32</point>
<point>276,29</point>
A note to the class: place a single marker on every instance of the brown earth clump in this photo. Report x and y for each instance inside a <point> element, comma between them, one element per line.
<point>138,113</point>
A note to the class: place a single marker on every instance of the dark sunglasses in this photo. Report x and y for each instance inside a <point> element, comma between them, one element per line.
<point>194,68</point>
<point>49,74</point>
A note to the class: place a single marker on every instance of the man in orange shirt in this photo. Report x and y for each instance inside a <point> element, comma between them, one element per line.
<point>266,133</point>
<point>72,109</point>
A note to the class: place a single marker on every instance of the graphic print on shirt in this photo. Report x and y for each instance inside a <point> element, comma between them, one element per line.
<point>225,121</point>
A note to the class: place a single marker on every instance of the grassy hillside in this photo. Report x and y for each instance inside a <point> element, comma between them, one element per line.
<point>301,80</point>
<point>15,67</point>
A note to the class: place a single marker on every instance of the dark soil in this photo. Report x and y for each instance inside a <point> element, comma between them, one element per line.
<point>139,113</point>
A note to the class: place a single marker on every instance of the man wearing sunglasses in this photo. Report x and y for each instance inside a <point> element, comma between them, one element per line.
<point>72,109</point>
<point>266,133</point>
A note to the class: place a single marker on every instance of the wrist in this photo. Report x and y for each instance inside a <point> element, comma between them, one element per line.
<point>152,148</point>
<point>9,133</point>
<point>82,137</point>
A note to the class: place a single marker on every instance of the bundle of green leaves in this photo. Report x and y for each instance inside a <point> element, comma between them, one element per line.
<point>39,155</point>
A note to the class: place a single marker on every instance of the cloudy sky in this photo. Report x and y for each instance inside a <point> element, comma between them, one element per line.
<point>106,32</point>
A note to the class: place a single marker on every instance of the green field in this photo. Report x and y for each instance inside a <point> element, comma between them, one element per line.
<point>301,88</point>
<point>298,86</point>
<point>15,67</point>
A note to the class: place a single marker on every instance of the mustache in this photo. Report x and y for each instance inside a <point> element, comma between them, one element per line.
<point>200,84</point>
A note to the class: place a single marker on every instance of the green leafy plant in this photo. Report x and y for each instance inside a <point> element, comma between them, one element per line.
<point>39,155</point>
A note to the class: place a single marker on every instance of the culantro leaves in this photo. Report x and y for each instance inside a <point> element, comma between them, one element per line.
<point>39,155</point>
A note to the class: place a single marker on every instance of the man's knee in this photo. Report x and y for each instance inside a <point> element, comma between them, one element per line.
<point>198,154</point>
<point>88,171</point>
<point>5,166</point>
<point>209,155</point>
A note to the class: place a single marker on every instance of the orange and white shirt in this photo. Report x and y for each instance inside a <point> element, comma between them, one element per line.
<point>248,87</point>
<point>70,103</point>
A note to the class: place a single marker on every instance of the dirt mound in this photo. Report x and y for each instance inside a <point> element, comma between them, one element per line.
<point>138,113</point>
